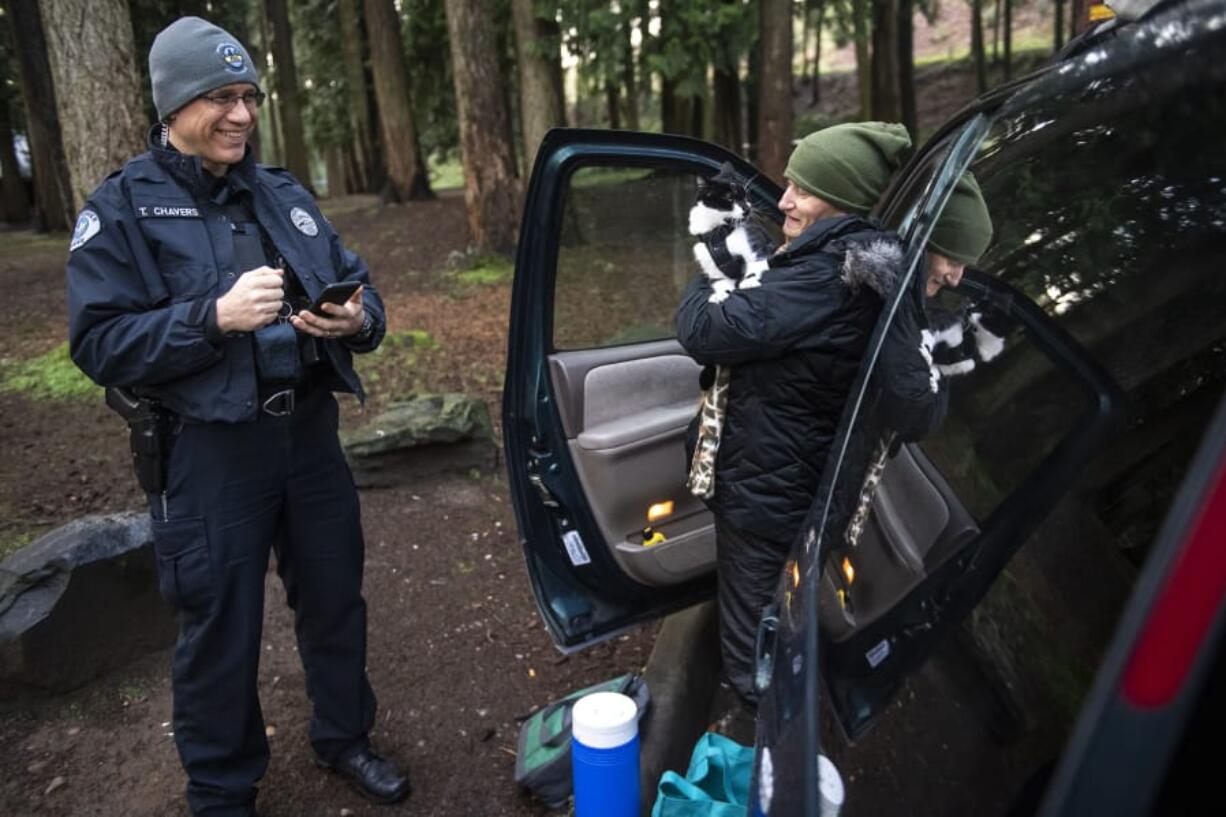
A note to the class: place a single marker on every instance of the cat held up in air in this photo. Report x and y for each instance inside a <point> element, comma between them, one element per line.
<point>732,247</point>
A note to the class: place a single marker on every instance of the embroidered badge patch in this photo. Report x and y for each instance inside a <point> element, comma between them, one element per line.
<point>303,221</point>
<point>232,57</point>
<point>88,226</point>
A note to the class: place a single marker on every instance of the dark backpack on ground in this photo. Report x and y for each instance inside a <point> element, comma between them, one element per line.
<point>542,758</point>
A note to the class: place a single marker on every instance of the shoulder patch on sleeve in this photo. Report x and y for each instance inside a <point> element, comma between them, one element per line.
<point>88,225</point>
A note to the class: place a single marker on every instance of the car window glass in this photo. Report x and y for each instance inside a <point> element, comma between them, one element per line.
<point>1109,204</point>
<point>624,256</point>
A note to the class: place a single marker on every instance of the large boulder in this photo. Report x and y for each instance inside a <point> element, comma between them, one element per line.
<point>79,601</point>
<point>419,438</point>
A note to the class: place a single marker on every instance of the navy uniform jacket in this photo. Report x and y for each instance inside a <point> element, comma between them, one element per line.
<point>150,255</point>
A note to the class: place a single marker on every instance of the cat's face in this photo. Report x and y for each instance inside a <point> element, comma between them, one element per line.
<point>724,193</point>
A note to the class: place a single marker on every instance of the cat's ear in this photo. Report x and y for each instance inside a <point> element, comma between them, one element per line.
<point>727,168</point>
<point>702,182</point>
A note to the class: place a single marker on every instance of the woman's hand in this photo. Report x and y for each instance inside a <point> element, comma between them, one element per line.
<point>341,321</point>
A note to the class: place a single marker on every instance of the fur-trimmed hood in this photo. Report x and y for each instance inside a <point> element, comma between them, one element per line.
<point>874,264</point>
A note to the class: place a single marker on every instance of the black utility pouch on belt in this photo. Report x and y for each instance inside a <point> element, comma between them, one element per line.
<point>150,438</point>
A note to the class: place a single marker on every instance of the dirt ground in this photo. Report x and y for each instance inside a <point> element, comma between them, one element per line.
<point>457,652</point>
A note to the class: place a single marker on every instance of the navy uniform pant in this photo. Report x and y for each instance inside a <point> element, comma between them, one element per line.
<point>235,491</point>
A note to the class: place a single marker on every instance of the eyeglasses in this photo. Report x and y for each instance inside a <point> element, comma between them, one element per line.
<point>252,99</point>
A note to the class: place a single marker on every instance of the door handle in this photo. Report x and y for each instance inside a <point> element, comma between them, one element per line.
<point>764,648</point>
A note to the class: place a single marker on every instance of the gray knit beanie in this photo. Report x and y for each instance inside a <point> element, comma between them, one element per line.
<point>191,57</point>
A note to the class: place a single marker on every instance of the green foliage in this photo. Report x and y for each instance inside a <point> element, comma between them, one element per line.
<point>446,172</point>
<point>696,34</point>
<point>319,59</point>
<point>423,24</point>
<point>50,376</point>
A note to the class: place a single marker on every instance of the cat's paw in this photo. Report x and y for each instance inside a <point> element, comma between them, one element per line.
<point>750,283</point>
<point>721,290</point>
<point>718,296</point>
<point>925,350</point>
<point>960,367</point>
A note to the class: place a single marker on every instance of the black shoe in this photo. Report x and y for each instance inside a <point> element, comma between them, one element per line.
<point>376,778</point>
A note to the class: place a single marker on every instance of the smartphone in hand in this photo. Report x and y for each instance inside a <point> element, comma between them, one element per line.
<point>335,293</point>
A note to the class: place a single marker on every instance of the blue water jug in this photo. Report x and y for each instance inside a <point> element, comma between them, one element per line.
<point>605,755</point>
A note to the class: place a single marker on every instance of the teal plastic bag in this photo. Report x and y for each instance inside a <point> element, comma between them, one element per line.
<point>716,785</point>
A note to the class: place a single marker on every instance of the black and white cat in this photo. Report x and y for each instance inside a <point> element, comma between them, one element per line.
<point>732,249</point>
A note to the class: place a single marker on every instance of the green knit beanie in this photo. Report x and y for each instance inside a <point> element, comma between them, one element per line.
<point>849,165</point>
<point>964,228</point>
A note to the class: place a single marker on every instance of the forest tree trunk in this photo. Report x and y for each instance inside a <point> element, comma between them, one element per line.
<point>612,103</point>
<point>886,106</point>
<point>538,43</point>
<point>1058,33</point>
<point>977,47</point>
<point>282,48</point>
<point>727,110</point>
<point>864,70</point>
<point>407,177</point>
<point>14,203</point>
<point>98,100</point>
<point>1079,12</point>
<point>629,80</point>
<point>815,80</point>
<point>352,42</point>
<point>1008,40</point>
<point>775,97</point>
<point>491,187</point>
<point>52,187</point>
<point>906,68</point>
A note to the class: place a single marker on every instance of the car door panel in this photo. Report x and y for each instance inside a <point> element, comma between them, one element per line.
<point>628,447</point>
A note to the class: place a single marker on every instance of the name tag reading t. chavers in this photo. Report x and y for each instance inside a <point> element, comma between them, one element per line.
<point>165,211</point>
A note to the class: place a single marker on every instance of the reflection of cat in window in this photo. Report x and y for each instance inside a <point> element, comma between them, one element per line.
<point>956,339</point>
<point>732,250</point>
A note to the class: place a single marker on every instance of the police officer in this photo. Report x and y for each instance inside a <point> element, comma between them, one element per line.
<point>187,272</point>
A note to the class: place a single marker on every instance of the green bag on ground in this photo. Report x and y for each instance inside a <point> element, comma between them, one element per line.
<point>542,757</point>
<point>716,785</point>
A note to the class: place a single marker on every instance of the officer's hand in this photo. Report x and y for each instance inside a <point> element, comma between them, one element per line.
<point>253,301</point>
<point>341,321</point>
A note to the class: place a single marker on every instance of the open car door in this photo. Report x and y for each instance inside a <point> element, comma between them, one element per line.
<point>598,392</point>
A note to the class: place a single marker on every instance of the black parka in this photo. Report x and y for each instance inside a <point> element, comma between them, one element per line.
<point>794,345</point>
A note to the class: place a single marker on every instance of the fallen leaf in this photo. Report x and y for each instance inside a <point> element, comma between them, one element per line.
<point>55,783</point>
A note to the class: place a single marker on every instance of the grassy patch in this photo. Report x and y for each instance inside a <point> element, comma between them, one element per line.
<point>481,270</point>
<point>412,338</point>
<point>13,541</point>
<point>50,376</point>
<point>21,242</point>
<point>445,173</point>
<point>391,367</point>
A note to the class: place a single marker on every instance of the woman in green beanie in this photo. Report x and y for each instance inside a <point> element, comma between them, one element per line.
<point>793,345</point>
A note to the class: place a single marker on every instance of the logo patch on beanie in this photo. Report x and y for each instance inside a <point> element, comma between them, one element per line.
<point>232,56</point>
<point>303,221</point>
